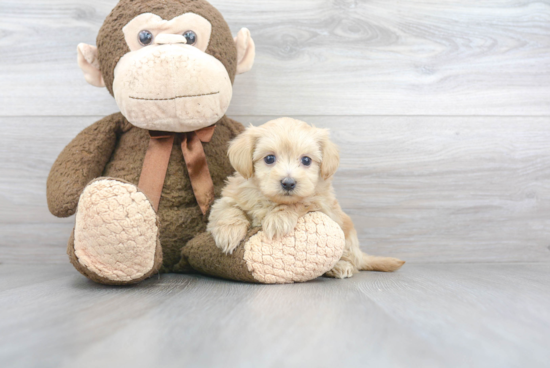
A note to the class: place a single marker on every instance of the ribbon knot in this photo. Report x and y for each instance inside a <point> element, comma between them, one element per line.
<point>157,158</point>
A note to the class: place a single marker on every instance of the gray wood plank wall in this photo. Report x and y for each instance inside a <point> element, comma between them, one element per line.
<point>441,109</point>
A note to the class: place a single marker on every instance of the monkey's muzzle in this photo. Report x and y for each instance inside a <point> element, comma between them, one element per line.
<point>173,87</point>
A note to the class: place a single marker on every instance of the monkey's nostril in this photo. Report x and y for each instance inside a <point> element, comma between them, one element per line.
<point>288,184</point>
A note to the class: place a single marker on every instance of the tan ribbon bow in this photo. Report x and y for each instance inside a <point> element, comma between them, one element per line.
<point>156,161</point>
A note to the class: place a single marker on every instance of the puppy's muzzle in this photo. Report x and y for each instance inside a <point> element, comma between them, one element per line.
<point>288,184</point>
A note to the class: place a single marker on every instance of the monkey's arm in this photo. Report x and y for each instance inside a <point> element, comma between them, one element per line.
<point>235,127</point>
<point>83,160</point>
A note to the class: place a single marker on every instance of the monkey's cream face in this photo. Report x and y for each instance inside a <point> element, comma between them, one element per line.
<point>287,160</point>
<point>167,81</point>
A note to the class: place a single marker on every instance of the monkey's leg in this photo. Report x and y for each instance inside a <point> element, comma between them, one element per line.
<point>312,249</point>
<point>115,240</point>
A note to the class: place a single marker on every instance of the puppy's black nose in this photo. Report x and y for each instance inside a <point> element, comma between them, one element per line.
<point>288,184</point>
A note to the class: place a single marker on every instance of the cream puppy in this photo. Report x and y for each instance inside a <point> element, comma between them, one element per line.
<point>284,170</point>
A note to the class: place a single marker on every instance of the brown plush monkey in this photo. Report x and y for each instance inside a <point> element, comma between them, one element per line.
<point>141,181</point>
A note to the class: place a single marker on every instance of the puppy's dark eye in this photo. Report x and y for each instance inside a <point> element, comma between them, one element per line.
<point>270,159</point>
<point>191,37</point>
<point>306,161</point>
<point>145,37</point>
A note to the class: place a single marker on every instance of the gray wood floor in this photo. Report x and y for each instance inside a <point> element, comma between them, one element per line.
<point>426,315</point>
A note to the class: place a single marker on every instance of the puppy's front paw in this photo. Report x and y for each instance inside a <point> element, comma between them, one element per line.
<point>342,270</point>
<point>277,225</point>
<point>228,237</point>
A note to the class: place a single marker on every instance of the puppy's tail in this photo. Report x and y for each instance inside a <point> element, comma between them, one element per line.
<point>384,264</point>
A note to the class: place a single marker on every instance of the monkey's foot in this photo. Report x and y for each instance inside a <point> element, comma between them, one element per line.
<point>116,234</point>
<point>312,249</point>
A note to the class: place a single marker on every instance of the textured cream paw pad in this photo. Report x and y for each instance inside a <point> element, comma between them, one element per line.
<point>312,249</point>
<point>116,231</point>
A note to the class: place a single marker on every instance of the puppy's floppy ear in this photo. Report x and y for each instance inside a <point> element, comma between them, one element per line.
<point>331,156</point>
<point>241,150</point>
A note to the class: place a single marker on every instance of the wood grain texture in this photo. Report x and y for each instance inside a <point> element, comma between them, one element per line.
<point>425,189</point>
<point>314,57</point>
<point>422,316</point>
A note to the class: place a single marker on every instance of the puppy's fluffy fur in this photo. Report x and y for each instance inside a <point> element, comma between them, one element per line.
<point>255,196</point>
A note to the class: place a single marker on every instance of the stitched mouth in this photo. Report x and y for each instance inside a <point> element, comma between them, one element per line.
<point>173,98</point>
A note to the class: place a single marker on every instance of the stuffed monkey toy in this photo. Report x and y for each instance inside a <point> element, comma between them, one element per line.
<point>142,181</point>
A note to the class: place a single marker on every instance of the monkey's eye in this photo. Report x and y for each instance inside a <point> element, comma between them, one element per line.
<point>306,161</point>
<point>145,37</point>
<point>270,159</point>
<point>191,37</point>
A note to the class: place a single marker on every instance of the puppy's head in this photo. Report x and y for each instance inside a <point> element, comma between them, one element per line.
<point>286,158</point>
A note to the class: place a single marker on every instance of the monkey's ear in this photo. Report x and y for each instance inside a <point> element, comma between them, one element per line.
<point>331,156</point>
<point>241,150</point>
<point>246,51</point>
<point>88,62</point>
